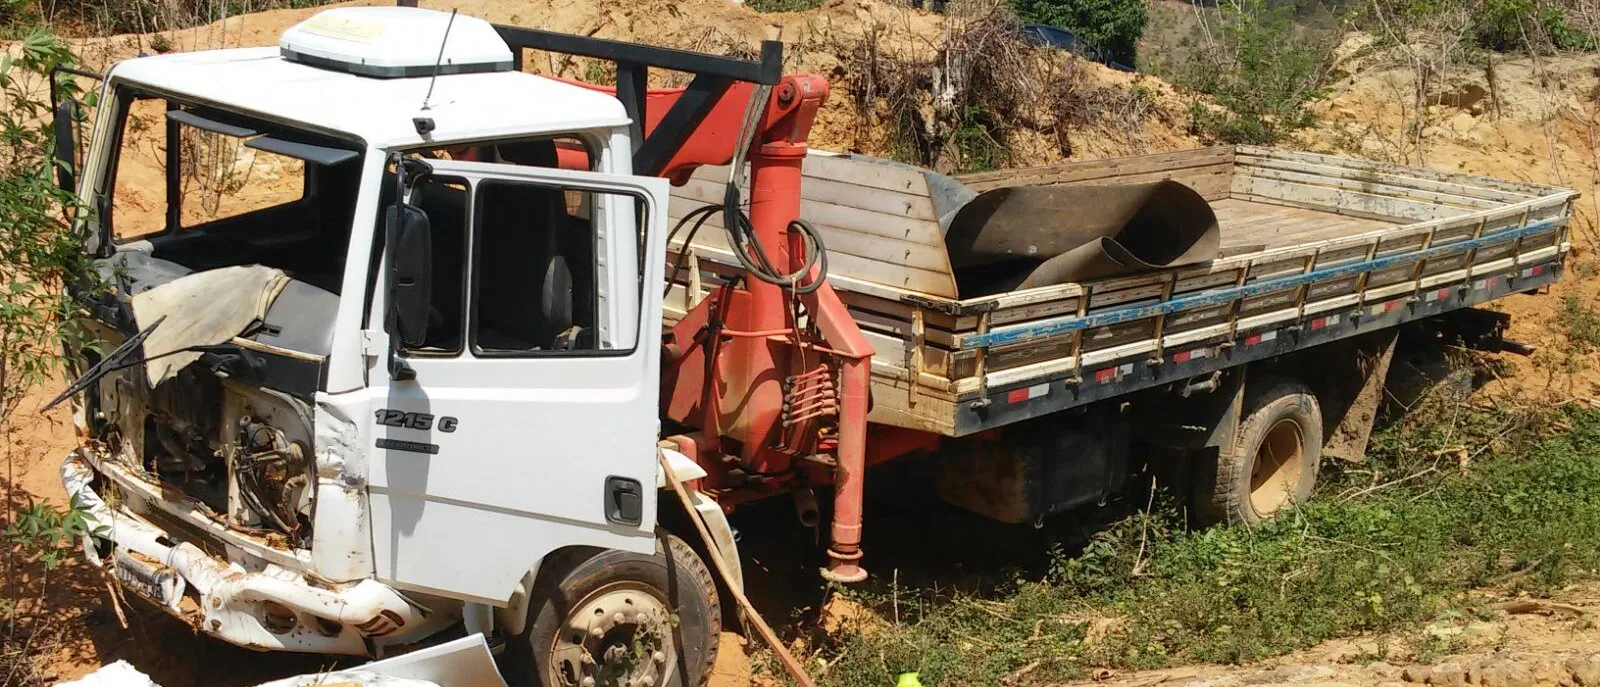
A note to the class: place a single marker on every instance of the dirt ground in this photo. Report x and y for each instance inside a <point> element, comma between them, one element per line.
<point>1534,121</point>
<point>1516,643</point>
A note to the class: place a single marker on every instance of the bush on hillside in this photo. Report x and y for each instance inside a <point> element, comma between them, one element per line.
<point>1263,71</point>
<point>1111,25</point>
<point>1527,25</point>
<point>39,255</point>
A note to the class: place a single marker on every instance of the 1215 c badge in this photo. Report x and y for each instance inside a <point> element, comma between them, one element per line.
<point>422,421</point>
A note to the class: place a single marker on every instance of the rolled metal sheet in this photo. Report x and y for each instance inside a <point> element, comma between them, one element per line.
<point>1028,236</point>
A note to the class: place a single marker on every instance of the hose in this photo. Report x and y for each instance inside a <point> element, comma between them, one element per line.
<point>741,233</point>
<point>747,249</point>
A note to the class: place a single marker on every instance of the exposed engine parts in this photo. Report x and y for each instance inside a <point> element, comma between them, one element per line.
<point>273,476</point>
<point>242,452</point>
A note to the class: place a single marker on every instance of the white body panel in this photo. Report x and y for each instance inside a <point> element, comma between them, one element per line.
<point>379,111</point>
<point>524,471</point>
<point>389,37</point>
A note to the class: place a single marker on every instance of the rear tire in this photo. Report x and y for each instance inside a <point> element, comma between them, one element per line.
<point>621,618</point>
<point>1273,461</point>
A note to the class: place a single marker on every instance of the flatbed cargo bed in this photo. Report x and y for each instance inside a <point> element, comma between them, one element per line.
<point>1315,248</point>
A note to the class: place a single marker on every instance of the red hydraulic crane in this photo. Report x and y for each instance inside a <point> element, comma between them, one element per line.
<point>768,376</point>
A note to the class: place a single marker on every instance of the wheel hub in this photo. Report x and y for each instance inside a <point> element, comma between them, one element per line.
<point>620,636</point>
<point>1275,474</point>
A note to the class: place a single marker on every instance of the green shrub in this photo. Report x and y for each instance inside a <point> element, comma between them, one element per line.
<point>1262,70</point>
<point>782,5</point>
<point>39,255</point>
<point>1518,25</point>
<point>1111,25</point>
<point>1581,323</point>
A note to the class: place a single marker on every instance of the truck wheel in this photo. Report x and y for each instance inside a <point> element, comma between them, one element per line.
<point>619,618</point>
<point>1273,461</point>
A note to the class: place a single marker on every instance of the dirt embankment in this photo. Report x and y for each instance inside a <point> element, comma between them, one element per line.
<point>831,40</point>
<point>1523,118</point>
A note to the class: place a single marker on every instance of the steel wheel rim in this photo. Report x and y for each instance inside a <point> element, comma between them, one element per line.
<point>1275,472</point>
<point>618,636</point>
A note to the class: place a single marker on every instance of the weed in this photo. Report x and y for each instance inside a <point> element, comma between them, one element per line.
<point>595,72</point>
<point>1532,25</point>
<point>976,136</point>
<point>958,107</point>
<point>1581,323</point>
<point>1262,70</point>
<point>782,5</point>
<point>39,256</point>
<point>951,109</point>
<point>41,528</point>
<point>1502,498</point>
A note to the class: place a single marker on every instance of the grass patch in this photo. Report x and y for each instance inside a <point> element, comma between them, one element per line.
<point>783,5</point>
<point>1581,322</point>
<point>1458,497</point>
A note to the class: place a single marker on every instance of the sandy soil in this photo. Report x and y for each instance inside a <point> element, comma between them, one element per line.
<point>1522,643</point>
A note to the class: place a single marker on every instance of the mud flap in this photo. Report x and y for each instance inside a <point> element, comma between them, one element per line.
<point>1350,401</point>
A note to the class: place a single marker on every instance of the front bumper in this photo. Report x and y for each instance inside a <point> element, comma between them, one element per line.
<point>264,606</point>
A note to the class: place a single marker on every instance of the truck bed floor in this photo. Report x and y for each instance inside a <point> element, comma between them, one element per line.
<point>1250,224</point>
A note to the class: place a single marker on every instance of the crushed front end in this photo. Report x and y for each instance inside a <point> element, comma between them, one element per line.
<point>214,482</point>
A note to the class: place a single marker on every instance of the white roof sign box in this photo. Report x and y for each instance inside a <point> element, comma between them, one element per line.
<point>395,42</point>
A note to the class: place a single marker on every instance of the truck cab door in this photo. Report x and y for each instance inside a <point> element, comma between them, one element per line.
<point>522,418</point>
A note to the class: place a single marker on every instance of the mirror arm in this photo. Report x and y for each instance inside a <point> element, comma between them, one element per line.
<point>399,370</point>
<point>66,147</point>
<point>407,170</point>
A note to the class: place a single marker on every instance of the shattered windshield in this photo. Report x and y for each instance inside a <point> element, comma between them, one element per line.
<point>205,188</point>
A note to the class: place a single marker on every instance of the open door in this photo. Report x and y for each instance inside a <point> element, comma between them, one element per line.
<point>518,408</point>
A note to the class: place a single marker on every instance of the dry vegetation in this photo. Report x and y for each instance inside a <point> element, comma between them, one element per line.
<point>982,98</point>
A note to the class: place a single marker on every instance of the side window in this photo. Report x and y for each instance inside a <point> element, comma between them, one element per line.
<point>445,201</point>
<point>565,152</point>
<point>139,190</point>
<point>537,273</point>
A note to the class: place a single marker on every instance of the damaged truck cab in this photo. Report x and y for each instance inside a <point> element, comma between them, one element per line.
<point>391,358</point>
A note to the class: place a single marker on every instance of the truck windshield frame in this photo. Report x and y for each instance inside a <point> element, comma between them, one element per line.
<point>318,151</point>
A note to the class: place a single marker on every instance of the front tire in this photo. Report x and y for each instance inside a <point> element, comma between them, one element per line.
<point>603,617</point>
<point>1273,461</point>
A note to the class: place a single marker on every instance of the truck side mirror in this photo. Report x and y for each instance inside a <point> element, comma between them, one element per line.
<point>409,236</point>
<point>66,147</point>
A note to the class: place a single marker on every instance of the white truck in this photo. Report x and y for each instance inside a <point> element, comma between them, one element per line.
<point>288,494</point>
<point>388,311</point>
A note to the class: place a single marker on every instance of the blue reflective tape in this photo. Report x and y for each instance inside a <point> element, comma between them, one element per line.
<point>1021,333</point>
